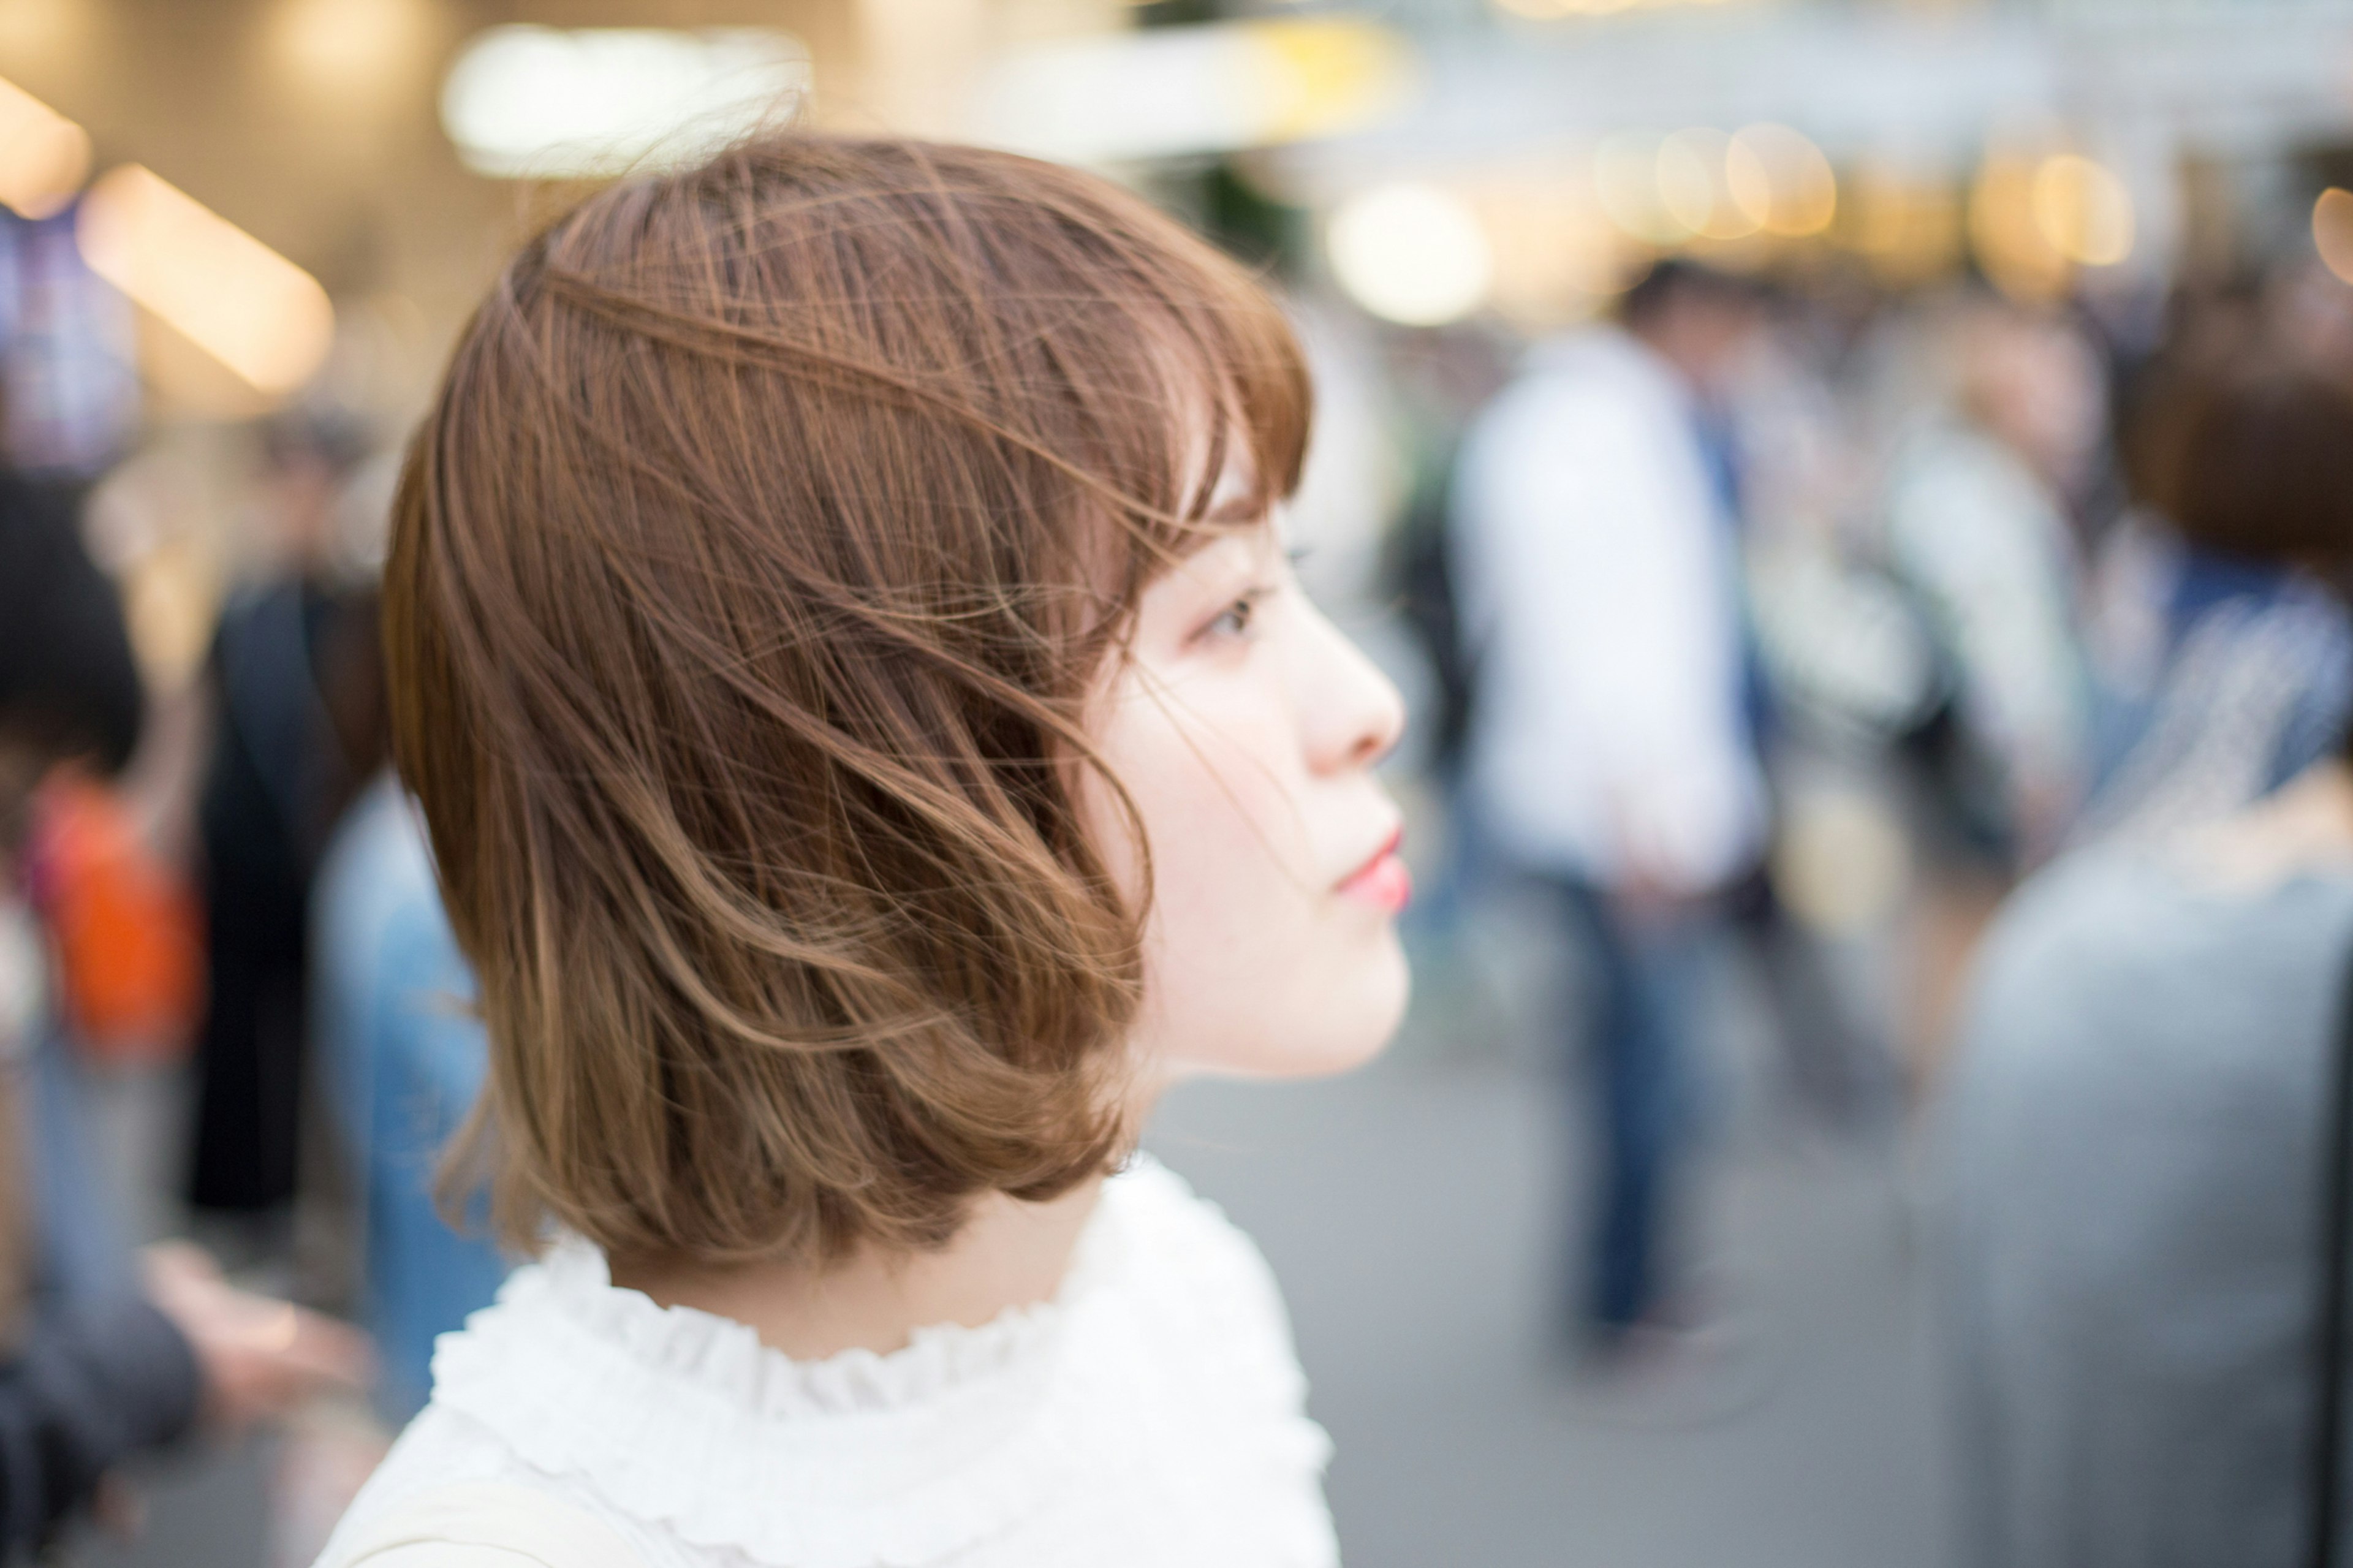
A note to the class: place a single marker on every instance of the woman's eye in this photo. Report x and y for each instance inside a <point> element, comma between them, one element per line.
<point>1235,619</point>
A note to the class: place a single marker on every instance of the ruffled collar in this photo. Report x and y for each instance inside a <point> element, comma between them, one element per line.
<point>726,1360</point>
<point>685,1420</point>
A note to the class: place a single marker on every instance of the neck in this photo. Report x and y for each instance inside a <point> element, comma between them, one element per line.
<point>1009,1254</point>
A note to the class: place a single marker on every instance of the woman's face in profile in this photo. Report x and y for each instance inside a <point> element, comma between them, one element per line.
<point>1245,727</point>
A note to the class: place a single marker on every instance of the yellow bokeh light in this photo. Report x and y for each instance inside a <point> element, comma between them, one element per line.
<point>2082,210</point>
<point>1319,76</point>
<point>2006,237</point>
<point>44,33</point>
<point>1556,257</point>
<point>1781,180</point>
<point>218,286</point>
<point>1626,183</point>
<point>44,156</point>
<point>352,48</point>
<point>1695,185</point>
<point>2332,231</point>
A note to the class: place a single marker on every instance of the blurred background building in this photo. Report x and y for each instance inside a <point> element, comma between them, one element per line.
<point>241,235</point>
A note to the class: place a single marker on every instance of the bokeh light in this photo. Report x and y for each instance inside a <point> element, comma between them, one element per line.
<point>1556,256</point>
<point>2084,210</point>
<point>1781,180</point>
<point>2332,231</point>
<point>1181,91</point>
<point>218,286</point>
<point>2007,236</point>
<point>46,157</point>
<point>351,50</point>
<point>1412,254</point>
<point>1696,185</point>
<point>552,103</point>
<point>1626,180</point>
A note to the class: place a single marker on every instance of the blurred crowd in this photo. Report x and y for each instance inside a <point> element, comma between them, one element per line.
<point>2004,647</point>
<point>1793,620</point>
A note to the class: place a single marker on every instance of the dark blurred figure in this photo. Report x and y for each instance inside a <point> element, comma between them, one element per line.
<point>299,730</point>
<point>1613,754</point>
<point>94,1366</point>
<point>2130,1156</point>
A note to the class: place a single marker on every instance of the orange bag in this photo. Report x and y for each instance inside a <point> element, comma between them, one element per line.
<point>127,928</point>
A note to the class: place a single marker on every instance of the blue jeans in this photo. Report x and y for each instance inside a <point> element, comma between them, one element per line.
<point>1635,1031</point>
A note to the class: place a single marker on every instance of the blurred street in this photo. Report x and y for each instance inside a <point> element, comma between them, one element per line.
<point>1413,1212</point>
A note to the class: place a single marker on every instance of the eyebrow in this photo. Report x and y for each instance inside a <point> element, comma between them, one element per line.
<point>1235,509</point>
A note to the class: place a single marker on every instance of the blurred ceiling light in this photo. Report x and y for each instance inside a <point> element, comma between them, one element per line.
<point>1696,183</point>
<point>1626,182</point>
<point>1558,10</point>
<point>1410,254</point>
<point>1551,10</point>
<point>218,286</point>
<point>44,156</point>
<point>541,102</point>
<point>2332,231</point>
<point>1171,91</point>
<point>1781,180</point>
<point>2082,210</point>
<point>346,46</point>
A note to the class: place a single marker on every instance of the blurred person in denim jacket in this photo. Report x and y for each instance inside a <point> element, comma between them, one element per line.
<point>404,1057</point>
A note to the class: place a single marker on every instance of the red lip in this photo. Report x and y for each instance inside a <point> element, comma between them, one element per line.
<point>1382,881</point>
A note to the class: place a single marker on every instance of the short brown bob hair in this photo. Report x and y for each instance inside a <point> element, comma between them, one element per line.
<point>748,582</point>
<point>2260,468</point>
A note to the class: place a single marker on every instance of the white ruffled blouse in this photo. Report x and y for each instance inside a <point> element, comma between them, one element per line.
<point>1151,1415</point>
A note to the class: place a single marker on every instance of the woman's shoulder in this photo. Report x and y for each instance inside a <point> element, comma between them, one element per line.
<point>450,1495</point>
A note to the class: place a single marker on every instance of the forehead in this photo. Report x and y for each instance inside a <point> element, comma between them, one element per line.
<point>1230,547</point>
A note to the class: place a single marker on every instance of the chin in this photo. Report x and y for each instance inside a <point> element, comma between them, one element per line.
<point>1353,1020</point>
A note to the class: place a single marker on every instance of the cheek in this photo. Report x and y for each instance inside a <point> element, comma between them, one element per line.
<point>1252,966</point>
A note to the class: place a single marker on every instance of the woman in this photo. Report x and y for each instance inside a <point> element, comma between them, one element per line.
<point>2226,661</point>
<point>872,744</point>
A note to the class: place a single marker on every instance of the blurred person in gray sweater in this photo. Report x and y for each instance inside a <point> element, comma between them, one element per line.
<point>2130,1146</point>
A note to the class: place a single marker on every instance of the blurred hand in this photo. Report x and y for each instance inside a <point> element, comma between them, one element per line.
<point>1647,901</point>
<point>259,1357</point>
<point>2042,805</point>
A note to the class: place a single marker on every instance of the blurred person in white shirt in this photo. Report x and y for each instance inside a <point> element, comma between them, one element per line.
<point>1612,753</point>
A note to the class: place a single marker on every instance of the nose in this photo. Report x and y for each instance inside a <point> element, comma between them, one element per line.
<point>1351,712</point>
